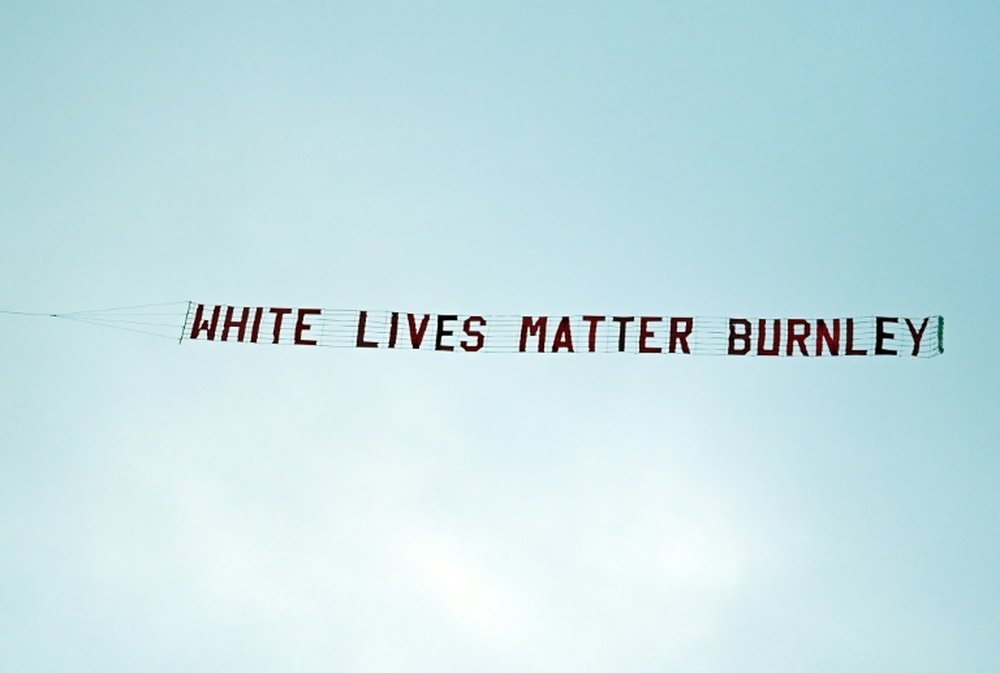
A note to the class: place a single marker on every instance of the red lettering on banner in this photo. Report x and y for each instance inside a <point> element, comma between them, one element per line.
<point>200,325</point>
<point>361,342</point>
<point>563,337</point>
<point>881,336</point>
<point>279,315</point>
<point>762,336</point>
<point>646,333</point>
<point>301,327</point>
<point>850,340</point>
<point>480,339</point>
<point>790,337</point>
<point>442,332</point>
<point>592,332</point>
<point>917,334</point>
<point>743,336</point>
<point>797,338</point>
<point>393,329</point>
<point>258,316</point>
<point>240,325</point>
<point>417,334</point>
<point>623,321</point>
<point>825,337</point>
<point>680,335</point>
<point>533,327</point>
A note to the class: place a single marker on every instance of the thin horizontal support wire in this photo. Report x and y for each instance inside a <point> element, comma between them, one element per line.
<point>118,321</point>
<point>119,327</point>
<point>32,314</point>
<point>124,308</point>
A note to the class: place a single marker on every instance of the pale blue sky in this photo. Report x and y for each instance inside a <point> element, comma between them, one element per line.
<point>205,508</point>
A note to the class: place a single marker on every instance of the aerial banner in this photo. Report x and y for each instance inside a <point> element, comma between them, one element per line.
<point>739,336</point>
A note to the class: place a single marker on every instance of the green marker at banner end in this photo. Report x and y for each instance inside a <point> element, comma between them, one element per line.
<point>940,334</point>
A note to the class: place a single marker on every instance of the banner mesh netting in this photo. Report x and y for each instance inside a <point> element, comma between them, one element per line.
<point>581,333</point>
